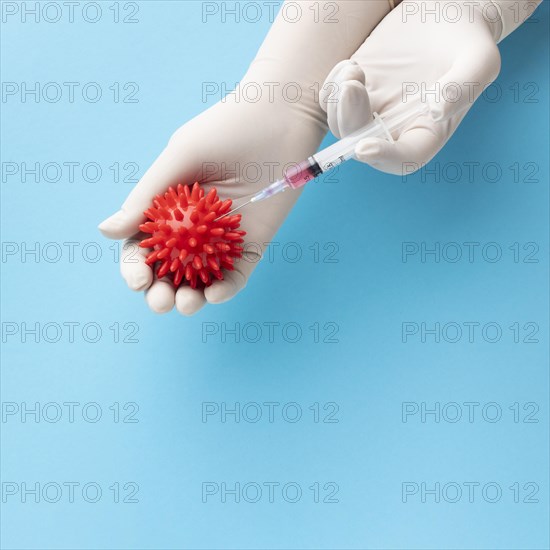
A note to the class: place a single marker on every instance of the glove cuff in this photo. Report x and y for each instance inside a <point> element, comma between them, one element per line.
<point>513,13</point>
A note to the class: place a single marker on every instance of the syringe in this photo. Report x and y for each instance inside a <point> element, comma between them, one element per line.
<point>301,173</point>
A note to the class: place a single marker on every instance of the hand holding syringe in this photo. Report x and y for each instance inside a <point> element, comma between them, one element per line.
<point>299,174</point>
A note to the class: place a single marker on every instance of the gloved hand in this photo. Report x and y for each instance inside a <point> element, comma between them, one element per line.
<point>441,51</point>
<point>237,137</point>
<point>241,145</point>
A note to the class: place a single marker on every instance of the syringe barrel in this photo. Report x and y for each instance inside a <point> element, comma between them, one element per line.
<point>381,126</point>
<point>338,152</point>
<point>299,174</point>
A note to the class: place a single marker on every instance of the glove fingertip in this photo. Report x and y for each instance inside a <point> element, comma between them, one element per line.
<point>189,301</point>
<point>223,291</point>
<point>120,225</point>
<point>370,149</point>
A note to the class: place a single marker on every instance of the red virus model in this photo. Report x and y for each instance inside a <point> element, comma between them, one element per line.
<point>190,245</point>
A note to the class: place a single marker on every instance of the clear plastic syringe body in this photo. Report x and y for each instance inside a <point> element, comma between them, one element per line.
<point>382,126</point>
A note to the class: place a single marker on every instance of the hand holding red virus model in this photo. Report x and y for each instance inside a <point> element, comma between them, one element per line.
<point>214,149</point>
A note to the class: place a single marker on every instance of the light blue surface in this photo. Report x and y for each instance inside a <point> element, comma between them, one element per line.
<point>368,293</point>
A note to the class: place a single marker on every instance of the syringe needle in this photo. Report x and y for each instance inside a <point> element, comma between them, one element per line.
<point>266,192</point>
<point>233,210</point>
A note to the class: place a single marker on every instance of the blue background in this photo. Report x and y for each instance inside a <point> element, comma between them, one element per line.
<point>368,293</point>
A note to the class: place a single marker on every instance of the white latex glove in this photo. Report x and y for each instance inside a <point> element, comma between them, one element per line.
<point>443,55</point>
<point>236,137</point>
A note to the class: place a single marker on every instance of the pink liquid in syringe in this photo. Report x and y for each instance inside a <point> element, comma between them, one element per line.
<point>299,174</point>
